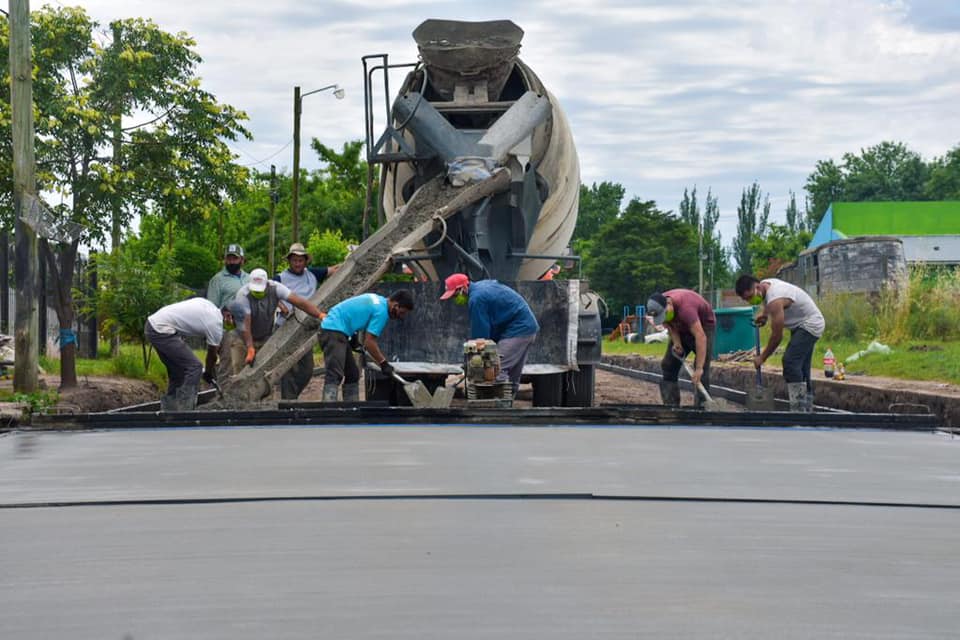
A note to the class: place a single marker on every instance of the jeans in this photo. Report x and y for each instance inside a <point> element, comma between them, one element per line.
<point>797,357</point>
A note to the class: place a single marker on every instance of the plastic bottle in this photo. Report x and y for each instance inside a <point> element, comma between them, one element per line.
<point>828,363</point>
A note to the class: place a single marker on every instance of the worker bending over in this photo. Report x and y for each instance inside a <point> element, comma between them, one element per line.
<point>692,326</point>
<point>368,314</point>
<point>497,313</point>
<point>787,305</point>
<point>166,329</point>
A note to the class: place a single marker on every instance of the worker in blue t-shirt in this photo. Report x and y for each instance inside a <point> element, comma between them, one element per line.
<point>368,313</point>
<point>497,313</point>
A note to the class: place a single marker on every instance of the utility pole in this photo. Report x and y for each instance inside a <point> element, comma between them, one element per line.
<point>297,110</point>
<point>26,339</point>
<point>273,219</point>
<point>700,254</point>
<point>295,211</point>
<point>115,221</point>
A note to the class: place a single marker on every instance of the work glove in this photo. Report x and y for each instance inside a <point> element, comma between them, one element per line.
<point>251,354</point>
<point>386,368</point>
<point>355,343</point>
<point>209,377</point>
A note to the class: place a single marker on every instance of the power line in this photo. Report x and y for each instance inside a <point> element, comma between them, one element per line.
<point>271,156</point>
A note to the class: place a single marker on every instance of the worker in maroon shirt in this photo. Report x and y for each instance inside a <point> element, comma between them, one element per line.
<point>692,326</point>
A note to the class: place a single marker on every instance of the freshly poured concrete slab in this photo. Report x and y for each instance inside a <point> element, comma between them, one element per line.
<point>479,569</point>
<point>503,557</point>
<point>763,464</point>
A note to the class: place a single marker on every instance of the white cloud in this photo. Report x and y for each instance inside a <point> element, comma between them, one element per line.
<point>660,95</point>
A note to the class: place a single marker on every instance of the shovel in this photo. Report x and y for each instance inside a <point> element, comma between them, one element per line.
<point>417,392</point>
<point>708,403</point>
<point>760,398</point>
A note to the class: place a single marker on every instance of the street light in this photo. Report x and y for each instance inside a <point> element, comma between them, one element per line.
<point>297,110</point>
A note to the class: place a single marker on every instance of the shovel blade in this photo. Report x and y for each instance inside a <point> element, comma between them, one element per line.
<point>418,394</point>
<point>761,399</point>
<point>442,397</point>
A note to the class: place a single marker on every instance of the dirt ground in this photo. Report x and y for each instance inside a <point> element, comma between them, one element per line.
<point>95,393</point>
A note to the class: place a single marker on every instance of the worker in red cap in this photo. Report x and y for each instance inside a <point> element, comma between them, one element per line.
<point>497,313</point>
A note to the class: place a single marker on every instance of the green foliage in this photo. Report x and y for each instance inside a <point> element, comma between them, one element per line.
<point>328,247</point>
<point>599,204</point>
<point>776,247</point>
<point>136,289</point>
<point>944,181</point>
<point>196,263</point>
<point>887,171</point>
<point>752,216</point>
<point>644,250</point>
<point>38,401</point>
<point>716,270</point>
<point>128,364</point>
<point>927,308</point>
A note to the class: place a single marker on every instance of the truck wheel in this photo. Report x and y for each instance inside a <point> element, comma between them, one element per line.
<point>548,390</point>
<point>579,386</point>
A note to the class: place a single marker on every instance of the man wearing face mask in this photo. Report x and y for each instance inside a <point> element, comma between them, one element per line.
<point>258,300</point>
<point>787,305</point>
<point>692,326</point>
<point>223,286</point>
<point>367,313</point>
<point>497,313</point>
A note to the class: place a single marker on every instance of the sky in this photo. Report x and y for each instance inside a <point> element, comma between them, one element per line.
<point>661,95</point>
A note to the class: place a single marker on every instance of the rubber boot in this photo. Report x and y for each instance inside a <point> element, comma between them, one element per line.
<point>186,399</point>
<point>351,392</point>
<point>670,393</point>
<point>809,408</point>
<point>797,393</point>
<point>168,403</point>
<point>330,392</point>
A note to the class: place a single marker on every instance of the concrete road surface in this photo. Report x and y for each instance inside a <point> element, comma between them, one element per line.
<point>473,532</point>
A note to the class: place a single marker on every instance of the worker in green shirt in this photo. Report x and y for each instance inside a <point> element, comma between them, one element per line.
<point>224,285</point>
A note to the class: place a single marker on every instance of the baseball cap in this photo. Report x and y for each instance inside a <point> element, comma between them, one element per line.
<point>657,307</point>
<point>297,249</point>
<point>233,250</point>
<point>453,283</point>
<point>258,280</point>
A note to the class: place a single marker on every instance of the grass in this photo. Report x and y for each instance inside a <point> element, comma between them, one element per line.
<point>129,364</point>
<point>910,360</point>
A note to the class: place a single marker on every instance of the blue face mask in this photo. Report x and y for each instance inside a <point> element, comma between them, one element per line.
<point>461,298</point>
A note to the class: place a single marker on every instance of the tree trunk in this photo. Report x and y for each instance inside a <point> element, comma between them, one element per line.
<point>63,284</point>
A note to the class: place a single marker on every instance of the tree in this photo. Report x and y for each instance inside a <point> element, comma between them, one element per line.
<point>944,180</point>
<point>752,216</point>
<point>328,247</point>
<point>690,209</point>
<point>599,204</point>
<point>644,250</point>
<point>887,171</point>
<point>173,163</point>
<point>794,219</point>
<point>824,185</point>
<point>138,288</point>
<point>333,197</point>
<point>778,246</point>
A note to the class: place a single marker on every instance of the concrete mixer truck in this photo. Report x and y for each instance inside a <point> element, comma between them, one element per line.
<point>468,108</point>
<point>480,176</point>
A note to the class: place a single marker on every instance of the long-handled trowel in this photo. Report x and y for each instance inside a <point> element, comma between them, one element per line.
<point>760,398</point>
